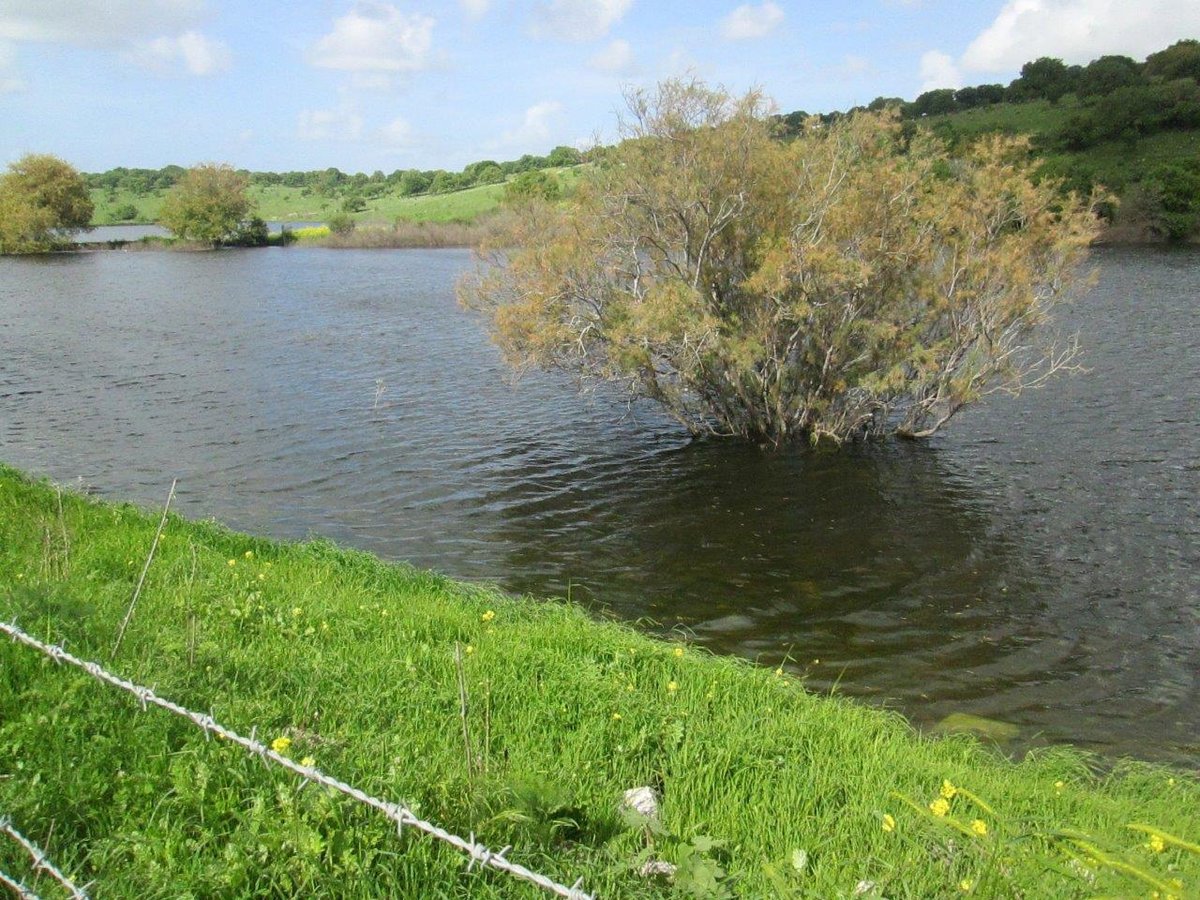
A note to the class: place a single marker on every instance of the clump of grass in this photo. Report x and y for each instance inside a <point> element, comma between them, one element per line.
<point>766,790</point>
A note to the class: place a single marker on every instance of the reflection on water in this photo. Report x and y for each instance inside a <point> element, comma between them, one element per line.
<point>1037,563</point>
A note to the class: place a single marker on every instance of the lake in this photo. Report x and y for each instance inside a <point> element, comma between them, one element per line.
<point>1038,562</point>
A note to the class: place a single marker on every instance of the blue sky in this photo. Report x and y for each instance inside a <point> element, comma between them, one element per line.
<point>384,85</point>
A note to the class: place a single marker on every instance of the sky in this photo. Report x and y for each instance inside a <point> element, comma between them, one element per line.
<point>368,85</point>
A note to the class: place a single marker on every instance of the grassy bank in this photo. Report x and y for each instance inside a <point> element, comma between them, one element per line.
<point>352,660</point>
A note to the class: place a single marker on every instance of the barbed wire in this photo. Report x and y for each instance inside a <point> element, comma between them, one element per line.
<point>397,812</point>
<point>17,888</point>
<point>40,860</point>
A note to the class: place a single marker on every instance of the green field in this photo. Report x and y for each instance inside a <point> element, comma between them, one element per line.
<point>767,790</point>
<point>279,203</point>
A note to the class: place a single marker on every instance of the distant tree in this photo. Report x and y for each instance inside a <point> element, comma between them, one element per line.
<point>1045,78</point>
<point>341,223</point>
<point>43,201</point>
<point>1102,76</point>
<point>444,183</point>
<point>127,212</point>
<point>253,233</point>
<point>1180,60</point>
<point>490,174</point>
<point>932,103</point>
<point>208,204</point>
<point>564,156</point>
<point>879,104</point>
<point>791,124</point>
<point>838,287</point>
<point>413,182</point>
<point>534,185</point>
<point>991,94</point>
<point>1176,188</point>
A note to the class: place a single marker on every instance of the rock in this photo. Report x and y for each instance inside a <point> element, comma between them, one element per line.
<point>641,800</point>
<point>959,723</point>
<point>655,868</point>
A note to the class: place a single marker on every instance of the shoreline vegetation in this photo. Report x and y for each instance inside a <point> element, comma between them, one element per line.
<point>530,739</point>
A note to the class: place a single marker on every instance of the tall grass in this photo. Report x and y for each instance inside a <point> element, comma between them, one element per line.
<point>766,789</point>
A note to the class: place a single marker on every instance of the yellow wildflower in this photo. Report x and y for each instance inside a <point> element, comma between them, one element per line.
<point>296,611</point>
<point>308,761</point>
<point>940,807</point>
<point>468,649</point>
<point>231,563</point>
<point>616,716</point>
<point>965,885</point>
<point>1156,844</point>
<point>889,822</point>
<point>779,671</point>
<point>249,554</point>
<point>281,744</point>
<point>678,652</point>
<point>979,827</point>
<point>948,790</point>
<point>672,687</point>
<point>488,616</point>
<point>324,626</point>
<point>1058,786</point>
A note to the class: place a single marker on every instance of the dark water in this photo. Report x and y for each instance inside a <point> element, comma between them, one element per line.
<point>1038,563</point>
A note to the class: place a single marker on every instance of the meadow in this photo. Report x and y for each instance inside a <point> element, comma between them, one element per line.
<point>518,720</point>
<point>280,203</point>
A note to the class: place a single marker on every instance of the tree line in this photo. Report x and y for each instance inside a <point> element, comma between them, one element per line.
<point>1175,69</point>
<point>1113,99</point>
<point>354,190</point>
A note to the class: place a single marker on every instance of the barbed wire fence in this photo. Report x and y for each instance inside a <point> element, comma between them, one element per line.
<point>396,812</point>
<point>17,888</point>
<point>40,863</point>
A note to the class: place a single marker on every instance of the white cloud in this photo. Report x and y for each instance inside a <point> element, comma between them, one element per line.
<point>748,21</point>
<point>535,127</point>
<point>397,133</point>
<point>107,23</point>
<point>196,54</point>
<point>10,80</point>
<point>158,35</point>
<point>1078,31</point>
<point>578,20</point>
<point>616,58</point>
<point>938,70</point>
<point>375,37</point>
<point>854,65</point>
<point>476,9</point>
<point>329,125</point>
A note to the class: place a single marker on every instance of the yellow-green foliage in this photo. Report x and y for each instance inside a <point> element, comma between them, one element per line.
<point>207,204</point>
<point>43,200</point>
<point>855,282</point>
<point>767,790</point>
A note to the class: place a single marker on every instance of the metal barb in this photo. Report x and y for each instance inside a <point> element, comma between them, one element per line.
<point>41,862</point>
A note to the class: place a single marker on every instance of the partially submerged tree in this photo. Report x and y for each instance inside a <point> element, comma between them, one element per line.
<point>43,202</point>
<point>843,285</point>
<point>209,204</point>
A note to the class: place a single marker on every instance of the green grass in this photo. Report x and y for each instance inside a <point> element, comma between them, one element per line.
<point>353,659</point>
<point>278,203</point>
